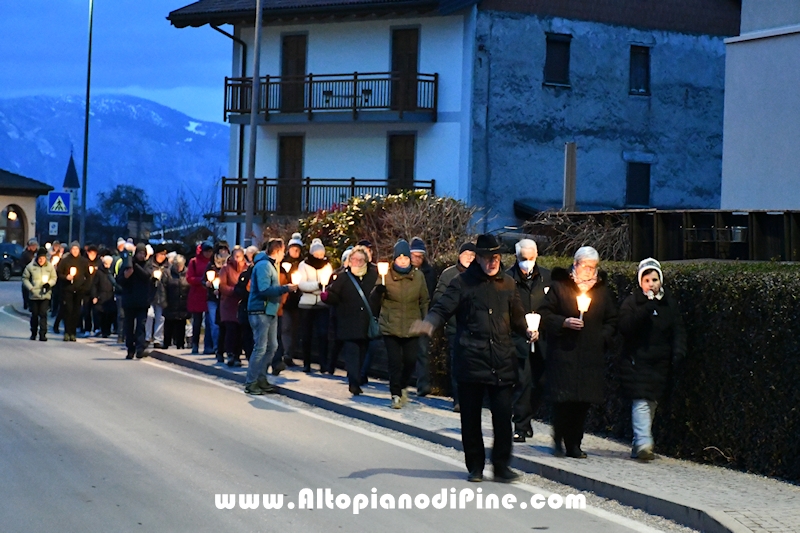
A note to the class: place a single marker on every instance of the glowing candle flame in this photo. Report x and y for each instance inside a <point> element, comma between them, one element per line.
<point>210,275</point>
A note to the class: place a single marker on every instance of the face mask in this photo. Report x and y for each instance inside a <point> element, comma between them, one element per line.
<point>527,266</point>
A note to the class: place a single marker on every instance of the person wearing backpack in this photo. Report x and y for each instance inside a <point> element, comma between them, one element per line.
<point>355,318</point>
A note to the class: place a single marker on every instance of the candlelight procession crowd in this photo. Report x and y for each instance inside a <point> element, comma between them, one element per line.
<point>516,336</point>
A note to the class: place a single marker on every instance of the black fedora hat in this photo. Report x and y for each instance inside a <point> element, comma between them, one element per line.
<point>487,245</point>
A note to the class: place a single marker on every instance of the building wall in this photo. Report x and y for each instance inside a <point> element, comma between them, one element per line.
<point>765,14</point>
<point>28,206</point>
<point>520,126</point>
<point>360,150</point>
<point>761,155</point>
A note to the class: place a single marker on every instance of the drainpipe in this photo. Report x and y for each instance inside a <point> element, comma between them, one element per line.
<point>243,62</point>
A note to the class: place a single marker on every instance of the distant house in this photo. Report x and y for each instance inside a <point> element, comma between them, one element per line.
<point>475,99</point>
<point>18,196</point>
<point>761,156</point>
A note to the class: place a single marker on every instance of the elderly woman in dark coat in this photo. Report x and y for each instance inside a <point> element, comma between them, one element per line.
<point>175,313</point>
<point>652,327</point>
<point>575,364</point>
<point>353,314</point>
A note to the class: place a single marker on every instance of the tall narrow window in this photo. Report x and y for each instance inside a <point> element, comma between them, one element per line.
<point>640,70</point>
<point>402,148</point>
<point>556,63</point>
<point>638,189</point>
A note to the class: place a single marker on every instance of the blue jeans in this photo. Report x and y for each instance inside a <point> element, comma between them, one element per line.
<point>212,326</point>
<point>265,339</point>
<point>642,414</point>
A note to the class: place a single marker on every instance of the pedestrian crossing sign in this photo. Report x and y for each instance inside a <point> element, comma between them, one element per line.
<point>59,203</point>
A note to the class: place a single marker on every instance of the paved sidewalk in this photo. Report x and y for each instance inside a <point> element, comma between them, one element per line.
<point>703,497</point>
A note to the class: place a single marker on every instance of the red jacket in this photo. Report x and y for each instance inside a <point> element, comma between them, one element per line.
<point>228,301</point>
<point>196,276</point>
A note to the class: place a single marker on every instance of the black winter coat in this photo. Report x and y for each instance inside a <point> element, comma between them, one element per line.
<point>103,289</point>
<point>352,315</point>
<point>654,337</point>
<point>575,363</point>
<point>176,289</point>
<point>430,276</point>
<point>158,294</point>
<point>487,310</point>
<point>531,294</point>
<point>81,281</point>
<point>135,289</point>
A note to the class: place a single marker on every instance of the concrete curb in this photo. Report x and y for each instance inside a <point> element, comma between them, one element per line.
<point>708,521</point>
<point>26,314</point>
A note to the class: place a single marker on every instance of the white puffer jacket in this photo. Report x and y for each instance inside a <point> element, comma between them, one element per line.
<point>309,285</point>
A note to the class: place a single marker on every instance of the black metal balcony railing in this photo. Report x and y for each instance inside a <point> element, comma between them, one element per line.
<point>301,196</point>
<point>371,91</point>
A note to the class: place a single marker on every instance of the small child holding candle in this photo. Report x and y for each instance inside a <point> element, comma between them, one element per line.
<point>654,335</point>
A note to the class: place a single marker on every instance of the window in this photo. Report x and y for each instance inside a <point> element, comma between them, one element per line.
<point>640,70</point>
<point>638,189</point>
<point>556,63</point>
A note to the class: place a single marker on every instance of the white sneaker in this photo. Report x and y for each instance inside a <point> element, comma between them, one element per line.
<point>397,402</point>
<point>403,397</point>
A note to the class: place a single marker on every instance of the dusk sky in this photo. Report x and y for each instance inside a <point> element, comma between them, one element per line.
<point>135,51</point>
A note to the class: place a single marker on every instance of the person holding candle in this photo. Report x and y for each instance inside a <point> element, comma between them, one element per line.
<point>221,254</point>
<point>290,319</point>
<point>101,296</point>
<point>419,259</point>
<point>487,308</point>
<point>38,279</point>
<point>313,273</point>
<point>73,272</point>
<point>575,358</point>
<point>175,313</point>
<point>27,257</point>
<point>402,301</point>
<point>87,308</point>
<point>531,281</point>
<point>197,304</point>
<point>347,294</point>
<point>229,305</point>
<point>654,339</point>
<point>135,279</point>
<point>154,324</point>
<point>466,254</point>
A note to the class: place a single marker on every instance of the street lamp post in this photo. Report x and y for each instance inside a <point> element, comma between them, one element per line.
<point>82,230</point>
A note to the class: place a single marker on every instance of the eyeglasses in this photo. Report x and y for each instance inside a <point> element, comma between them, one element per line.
<point>586,267</point>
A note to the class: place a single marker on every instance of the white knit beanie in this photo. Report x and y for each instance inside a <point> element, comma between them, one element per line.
<point>649,264</point>
<point>316,244</point>
<point>296,239</point>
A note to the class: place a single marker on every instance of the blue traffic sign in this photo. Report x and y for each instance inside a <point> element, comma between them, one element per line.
<point>59,203</point>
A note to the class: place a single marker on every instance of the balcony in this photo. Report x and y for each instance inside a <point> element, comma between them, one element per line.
<point>304,196</point>
<point>366,97</point>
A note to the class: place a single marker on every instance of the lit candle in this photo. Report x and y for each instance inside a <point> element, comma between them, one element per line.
<point>72,272</point>
<point>533,320</point>
<point>210,275</point>
<point>383,269</point>
<point>157,274</point>
<point>91,269</point>
<point>45,278</point>
<point>583,303</point>
<point>295,278</point>
<point>215,283</point>
<point>325,275</point>
<point>286,266</point>
<point>55,259</point>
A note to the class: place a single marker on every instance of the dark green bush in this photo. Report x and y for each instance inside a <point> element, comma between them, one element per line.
<point>735,399</point>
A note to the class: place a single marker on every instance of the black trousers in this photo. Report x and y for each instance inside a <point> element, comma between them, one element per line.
<point>25,297</point>
<point>86,314</point>
<point>135,318</point>
<point>247,337</point>
<point>354,353</point>
<point>175,333</point>
<point>529,389</point>
<point>104,320</point>
<point>233,338</point>
<point>568,421</point>
<point>402,353</point>
<point>314,325</point>
<point>39,310</point>
<point>470,397</point>
<point>72,311</point>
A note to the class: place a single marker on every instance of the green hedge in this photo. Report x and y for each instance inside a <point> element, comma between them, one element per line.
<point>735,399</point>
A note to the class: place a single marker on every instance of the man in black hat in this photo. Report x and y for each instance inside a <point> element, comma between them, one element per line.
<point>487,307</point>
<point>87,316</point>
<point>134,279</point>
<point>73,272</point>
<point>154,326</point>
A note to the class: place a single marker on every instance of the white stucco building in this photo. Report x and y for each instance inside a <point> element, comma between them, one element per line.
<point>761,145</point>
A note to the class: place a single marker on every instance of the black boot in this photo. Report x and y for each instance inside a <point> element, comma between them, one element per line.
<point>33,335</point>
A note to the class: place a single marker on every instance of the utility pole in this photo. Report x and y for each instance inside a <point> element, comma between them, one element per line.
<point>82,231</point>
<point>250,196</point>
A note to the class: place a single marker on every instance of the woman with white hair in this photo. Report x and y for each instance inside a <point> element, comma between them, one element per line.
<point>652,327</point>
<point>575,364</point>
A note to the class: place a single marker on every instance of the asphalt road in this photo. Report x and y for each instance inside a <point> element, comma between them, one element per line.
<point>91,442</point>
